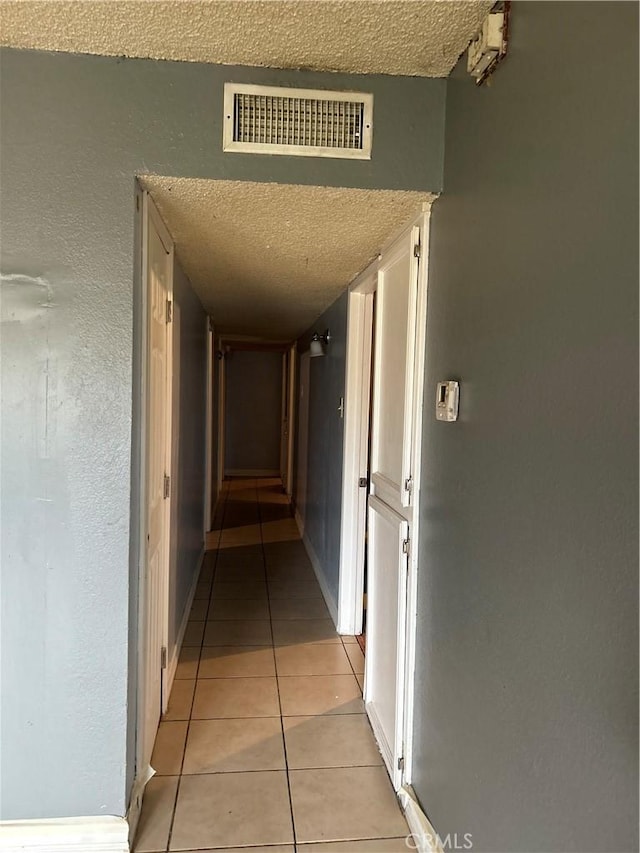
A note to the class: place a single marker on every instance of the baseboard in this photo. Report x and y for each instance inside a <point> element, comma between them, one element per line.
<point>425,838</point>
<point>252,472</point>
<point>100,834</point>
<point>175,654</point>
<point>319,572</point>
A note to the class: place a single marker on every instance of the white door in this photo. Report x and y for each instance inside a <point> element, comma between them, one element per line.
<point>390,506</point>
<point>303,437</point>
<point>386,605</point>
<point>158,447</point>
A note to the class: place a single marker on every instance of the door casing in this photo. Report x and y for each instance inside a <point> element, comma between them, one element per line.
<point>151,218</point>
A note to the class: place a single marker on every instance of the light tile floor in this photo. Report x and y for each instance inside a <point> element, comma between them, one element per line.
<point>265,744</point>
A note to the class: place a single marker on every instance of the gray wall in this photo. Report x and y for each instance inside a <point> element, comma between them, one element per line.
<point>75,131</point>
<point>253,399</point>
<point>326,430</point>
<point>526,729</point>
<point>188,443</point>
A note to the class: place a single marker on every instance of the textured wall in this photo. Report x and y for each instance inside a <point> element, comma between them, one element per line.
<point>188,443</point>
<point>326,429</point>
<point>526,728</point>
<point>253,399</point>
<point>75,131</point>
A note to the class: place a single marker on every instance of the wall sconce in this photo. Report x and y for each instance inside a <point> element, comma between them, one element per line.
<point>318,344</point>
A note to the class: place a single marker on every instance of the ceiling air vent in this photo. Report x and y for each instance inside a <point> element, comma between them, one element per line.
<point>299,122</point>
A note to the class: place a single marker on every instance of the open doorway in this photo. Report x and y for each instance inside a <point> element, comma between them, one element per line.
<point>287,320</point>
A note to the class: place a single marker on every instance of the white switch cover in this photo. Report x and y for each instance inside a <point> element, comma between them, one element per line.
<point>447,399</point>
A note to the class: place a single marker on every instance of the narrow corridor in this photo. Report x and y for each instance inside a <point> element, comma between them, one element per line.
<point>265,743</point>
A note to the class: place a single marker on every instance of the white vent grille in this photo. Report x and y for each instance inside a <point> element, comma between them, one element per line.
<point>302,122</point>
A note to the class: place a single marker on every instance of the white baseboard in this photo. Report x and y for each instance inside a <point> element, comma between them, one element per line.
<point>319,572</point>
<point>425,838</point>
<point>252,472</point>
<point>100,834</point>
<point>175,654</point>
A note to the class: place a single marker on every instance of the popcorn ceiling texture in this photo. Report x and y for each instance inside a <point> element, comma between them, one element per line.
<point>268,259</point>
<point>405,37</point>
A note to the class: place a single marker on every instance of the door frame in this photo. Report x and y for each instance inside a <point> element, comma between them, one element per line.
<point>208,451</point>
<point>291,406</point>
<point>302,471</point>
<point>356,449</point>
<point>356,464</point>
<point>151,214</point>
<point>220,358</point>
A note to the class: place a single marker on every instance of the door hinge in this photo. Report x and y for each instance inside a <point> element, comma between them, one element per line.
<point>401,763</point>
<point>363,482</point>
<point>163,657</point>
<point>167,486</point>
<point>169,310</point>
<point>416,250</point>
<point>408,484</point>
<point>406,546</point>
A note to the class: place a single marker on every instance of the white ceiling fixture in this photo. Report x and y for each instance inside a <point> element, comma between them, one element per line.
<point>408,37</point>
<point>267,259</point>
<point>298,122</point>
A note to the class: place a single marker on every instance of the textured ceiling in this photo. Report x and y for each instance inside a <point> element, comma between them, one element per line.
<point>412,37</point>
<point>267,259</point>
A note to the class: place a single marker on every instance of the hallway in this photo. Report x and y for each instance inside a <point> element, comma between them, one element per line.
<point>265,744</point>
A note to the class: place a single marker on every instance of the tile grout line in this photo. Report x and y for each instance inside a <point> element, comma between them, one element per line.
<point>275,665</point>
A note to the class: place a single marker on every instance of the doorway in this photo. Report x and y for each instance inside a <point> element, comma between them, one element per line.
<point>381,482</point>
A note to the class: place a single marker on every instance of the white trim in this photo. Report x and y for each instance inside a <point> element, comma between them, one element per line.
<point>100,834</point>
<point>356,450</point>
<point>208,447</point>
<point>150,213</point>
<point>424,837</point>
<point>221,418</point>
<point>291,418</point>
<point>416,473</point>
<point>177,648</point>
<point>252,472</point>
<point>319,572</point>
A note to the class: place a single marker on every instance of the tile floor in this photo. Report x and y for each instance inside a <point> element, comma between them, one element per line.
<point>265,744</point>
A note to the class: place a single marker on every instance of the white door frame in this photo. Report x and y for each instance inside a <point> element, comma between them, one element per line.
<point>356,450</point>
<point>150,213</point>
<point>208,451</point>
<point>284,424</point>
<point>292,415</point>
<point>302,428</point>
<point>356,440</point>
<point>220,356</point>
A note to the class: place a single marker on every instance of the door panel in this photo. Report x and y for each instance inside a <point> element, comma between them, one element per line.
<point>386,603</point>
<point>389,506</point>
<point>159,273</point>
<point>396,297</point>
